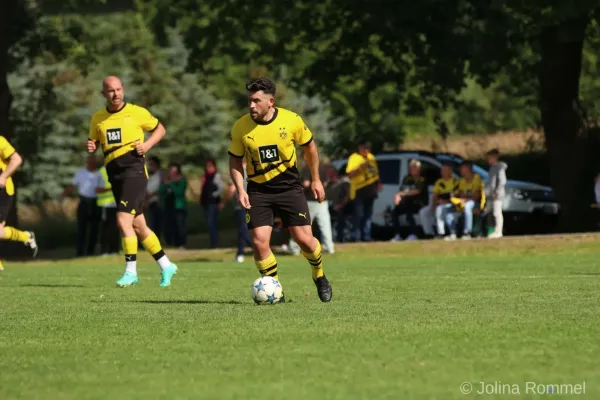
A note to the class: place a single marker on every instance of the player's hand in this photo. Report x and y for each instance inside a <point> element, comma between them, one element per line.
<point>141,148</point>
<point>244,200</point>
<point>318,190</point>
<point>91,146</point>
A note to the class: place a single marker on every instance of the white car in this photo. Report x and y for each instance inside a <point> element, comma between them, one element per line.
<point>528,207</point>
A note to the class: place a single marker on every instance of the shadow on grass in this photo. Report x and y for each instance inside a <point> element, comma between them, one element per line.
<point>52,285</point>
<point>189,302</point>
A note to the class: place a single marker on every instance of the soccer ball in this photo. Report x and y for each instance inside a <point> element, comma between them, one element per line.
<point>266,290</point>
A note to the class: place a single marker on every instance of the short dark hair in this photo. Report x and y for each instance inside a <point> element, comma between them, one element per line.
<point>493,152</point>
<point>177,166</point>
<point>258,84</point>
<point>155,160</point>
<point>364,143</point>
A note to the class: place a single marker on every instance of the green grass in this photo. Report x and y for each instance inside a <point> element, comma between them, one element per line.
<point>408,321</point>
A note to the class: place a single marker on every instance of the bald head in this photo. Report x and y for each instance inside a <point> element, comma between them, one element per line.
<point>113,92</point>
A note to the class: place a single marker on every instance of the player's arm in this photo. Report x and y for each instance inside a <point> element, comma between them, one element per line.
<point>14,161</point>
<point>356,166</point>
<point>157,134</point>
<point>311,153</point>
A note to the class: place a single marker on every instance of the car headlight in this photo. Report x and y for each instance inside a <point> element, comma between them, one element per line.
<point>519,194</point>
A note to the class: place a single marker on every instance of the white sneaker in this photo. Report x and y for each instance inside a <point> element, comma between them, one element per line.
<point>412,237</point>
<point>396,238</point>
<point>452,236</point>
<point>239,258</point>
<point>495,235</point>
<point>466,236</point>
<point>32,244</point>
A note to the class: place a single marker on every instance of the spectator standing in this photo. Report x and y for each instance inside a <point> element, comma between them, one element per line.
<point>496,190</point>
<point>210,199</point>
<point>443,201</point>
<point>243,235</point>
<point>319,212</point>
<point>363,171</point>
<point>109,234</point>
<point>88,213</point>
<point>597,189</point>
<point>338,193</point>
<point>471,193</point>
<point>153,203</point>
<point>172,191</point>
<point>409,200</point>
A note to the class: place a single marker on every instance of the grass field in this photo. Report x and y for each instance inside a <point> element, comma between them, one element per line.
<point>408,321</point>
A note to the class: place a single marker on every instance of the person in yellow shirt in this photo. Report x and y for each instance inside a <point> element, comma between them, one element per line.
<point>363,171</point>
<point>471,193</point>
<point>10,160</point>
<point>443,204</point>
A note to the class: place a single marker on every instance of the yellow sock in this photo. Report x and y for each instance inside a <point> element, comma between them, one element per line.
<point>1,266</point>
<point>268,266</point>
<point>15,235</point>
<point>316,261</point>
<point>152,246</point>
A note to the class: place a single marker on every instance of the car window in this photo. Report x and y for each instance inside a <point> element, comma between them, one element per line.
<point>430,172</point>
<point>389,171</point>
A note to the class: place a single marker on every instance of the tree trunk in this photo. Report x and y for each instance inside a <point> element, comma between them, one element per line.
<point>567,142</point>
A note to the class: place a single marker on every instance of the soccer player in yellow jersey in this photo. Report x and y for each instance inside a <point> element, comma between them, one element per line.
<point>444,200</point>
<point>119,130</point>
<point>267,136</point>
<point>10,160</point>
<point>471,193</point>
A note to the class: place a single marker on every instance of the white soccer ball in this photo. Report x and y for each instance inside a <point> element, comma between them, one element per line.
<point>266,290</point>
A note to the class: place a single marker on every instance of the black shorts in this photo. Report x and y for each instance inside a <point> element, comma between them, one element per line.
<point>6,203</point>
<point>290,206</point>
<point>130,193</point>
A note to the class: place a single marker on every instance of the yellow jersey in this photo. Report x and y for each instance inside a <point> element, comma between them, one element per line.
<point>468,189</point>
<point>6,151</point>
<point>370,175</point>
<point>117,132</point>
<point>445,189</point>
<point>270,149</point>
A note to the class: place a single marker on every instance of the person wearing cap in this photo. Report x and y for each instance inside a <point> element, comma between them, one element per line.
<point>363,171</point>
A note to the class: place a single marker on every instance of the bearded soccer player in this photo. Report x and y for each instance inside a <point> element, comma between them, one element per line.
<point>119,130</point>
<point>267,136</point>
<point>10,160</point>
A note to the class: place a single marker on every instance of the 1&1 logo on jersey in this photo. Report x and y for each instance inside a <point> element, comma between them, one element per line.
<point>113,136</point>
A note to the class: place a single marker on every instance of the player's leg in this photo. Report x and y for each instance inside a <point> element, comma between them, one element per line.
<point>14,234</point>
<point>151,243</point>
<point>293,209</point>
<point>260,219</point>
<point>130,248</point>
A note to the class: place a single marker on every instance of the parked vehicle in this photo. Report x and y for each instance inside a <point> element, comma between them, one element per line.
<point>528,207</point>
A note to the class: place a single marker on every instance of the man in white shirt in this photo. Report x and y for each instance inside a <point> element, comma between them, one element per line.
<point>154,210</point>
<point>88,214</point>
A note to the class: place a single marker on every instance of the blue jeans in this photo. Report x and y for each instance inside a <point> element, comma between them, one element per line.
<point>243,235</point>
<point>444,213</point>
<point>210,213</point>
<point>468,213</point>
<point>363,215</point>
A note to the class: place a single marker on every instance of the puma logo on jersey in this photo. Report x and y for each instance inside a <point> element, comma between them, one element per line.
<point>124,203</point>
<point>302,215</point>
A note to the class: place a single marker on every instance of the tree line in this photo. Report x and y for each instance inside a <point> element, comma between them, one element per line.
<point>352,68</point>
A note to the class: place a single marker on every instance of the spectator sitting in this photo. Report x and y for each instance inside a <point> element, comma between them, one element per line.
<point>443,201</point>
<point>471,194</point>
<point>495,190</point>
<point>409,200</point>
<point>210,199</point>
<point>172,191</point>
